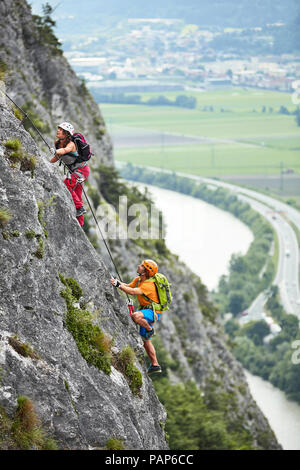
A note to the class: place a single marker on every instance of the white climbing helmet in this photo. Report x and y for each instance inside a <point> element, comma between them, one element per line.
<point>66,126</point>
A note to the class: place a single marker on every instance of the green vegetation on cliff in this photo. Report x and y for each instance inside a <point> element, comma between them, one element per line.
<point>201,419</point>
<point>45,30</point>
<point>24,430</point>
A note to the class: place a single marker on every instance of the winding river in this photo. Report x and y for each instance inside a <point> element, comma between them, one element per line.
<point>204,238</point>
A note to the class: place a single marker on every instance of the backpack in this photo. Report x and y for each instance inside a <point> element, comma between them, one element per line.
<point>163,290</point>
<point>83,148</point>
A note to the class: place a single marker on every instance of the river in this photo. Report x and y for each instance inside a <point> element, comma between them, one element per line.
<point>204,238</point>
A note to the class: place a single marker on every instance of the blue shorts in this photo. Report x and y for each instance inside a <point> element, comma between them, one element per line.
<point>149,316</point>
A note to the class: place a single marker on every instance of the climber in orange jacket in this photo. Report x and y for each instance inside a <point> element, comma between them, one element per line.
<point>145,317</point>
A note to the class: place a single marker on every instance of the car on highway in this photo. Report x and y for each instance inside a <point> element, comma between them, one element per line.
<point>244,313</point>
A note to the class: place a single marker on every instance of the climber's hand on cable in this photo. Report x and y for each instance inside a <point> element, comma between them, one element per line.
<point>115,282</point>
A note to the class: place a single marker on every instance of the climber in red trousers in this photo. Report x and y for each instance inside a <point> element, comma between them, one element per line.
<point>65,150</point>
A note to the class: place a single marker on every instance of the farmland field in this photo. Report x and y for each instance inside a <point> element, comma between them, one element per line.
<point>232,131</point>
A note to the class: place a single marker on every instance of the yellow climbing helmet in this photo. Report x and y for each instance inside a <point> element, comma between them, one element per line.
<point>151,266</point>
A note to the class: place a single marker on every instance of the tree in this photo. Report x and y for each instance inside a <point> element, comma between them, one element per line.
<point>290,325</point>
<point>45,25</point>
<point>238,264</point>
<point>223,284</point>
<point>47,11</point>
<point>231,327</point>
<point>185,101</point>
<point>236,302</point>
<point>283,110</point>
<point>297,113</point>
<point>256,330</point>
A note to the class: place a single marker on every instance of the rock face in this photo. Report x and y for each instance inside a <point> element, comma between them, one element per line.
<point>42,245</point>
<point>81,405</point>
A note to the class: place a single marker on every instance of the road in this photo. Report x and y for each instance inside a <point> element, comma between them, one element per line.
<point>287,276</point>
<point>288,262</point>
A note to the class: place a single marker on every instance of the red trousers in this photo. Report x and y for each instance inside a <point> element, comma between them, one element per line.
<point>77,192</point>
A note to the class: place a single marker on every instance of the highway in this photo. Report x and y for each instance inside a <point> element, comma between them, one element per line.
<point>287,275</point>
<point>288,262</point>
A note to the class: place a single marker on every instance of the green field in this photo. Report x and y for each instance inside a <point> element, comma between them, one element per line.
<point>216,160</point>
<point>246,140</point>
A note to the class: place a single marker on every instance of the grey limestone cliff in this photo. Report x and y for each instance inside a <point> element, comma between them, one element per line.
<point>79,404</point>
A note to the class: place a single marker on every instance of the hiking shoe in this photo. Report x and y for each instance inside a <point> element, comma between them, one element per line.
<point>152,369</point>
<point>148,334</point>
<point>80,211</point>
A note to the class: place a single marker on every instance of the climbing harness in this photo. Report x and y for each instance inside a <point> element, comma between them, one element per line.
<point>79,181</point>
<point>79,177</point>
